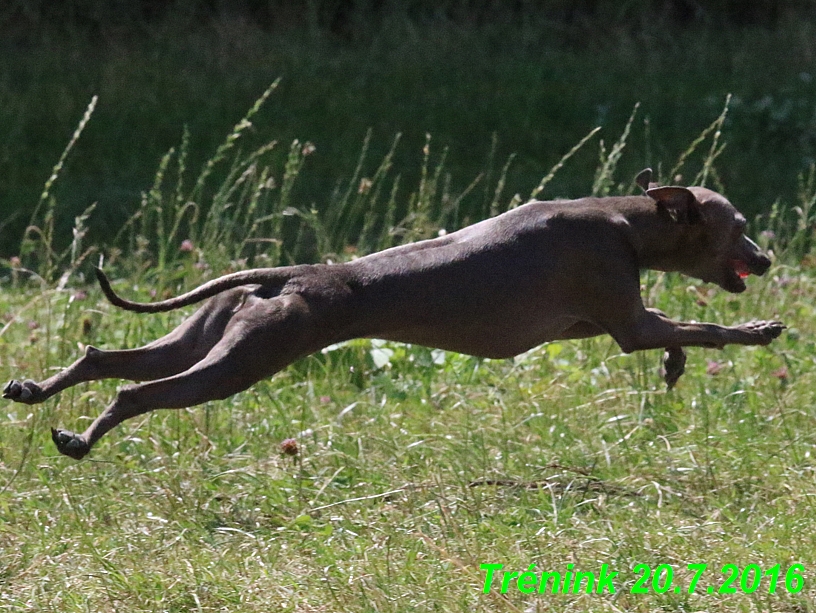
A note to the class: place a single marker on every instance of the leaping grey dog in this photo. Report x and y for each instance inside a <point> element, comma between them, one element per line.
<point>544,271</point>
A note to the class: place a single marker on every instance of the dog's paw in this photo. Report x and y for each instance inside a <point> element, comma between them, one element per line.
<point>765,331</point>
<point>27,392</point>
<point>674,365</point>
<point>70,444</point>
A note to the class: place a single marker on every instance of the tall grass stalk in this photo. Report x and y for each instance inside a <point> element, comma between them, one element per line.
<point>229,142</point>
<point>715,149</point>
<point>43,228</point>
<point>715,127</point>
<point>604,176</point>
<point>560,164</point>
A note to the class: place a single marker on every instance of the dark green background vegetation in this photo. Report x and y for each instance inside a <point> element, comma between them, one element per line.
<point>537,75</point>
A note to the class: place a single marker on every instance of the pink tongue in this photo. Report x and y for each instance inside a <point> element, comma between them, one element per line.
<point>741,268</point>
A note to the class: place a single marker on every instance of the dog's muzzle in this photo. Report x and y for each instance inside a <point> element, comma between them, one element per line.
<point>748,261</point>
<point>757,262</point>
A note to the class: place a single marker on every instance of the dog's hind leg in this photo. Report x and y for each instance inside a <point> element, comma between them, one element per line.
<point>169,355</point>
<point>265,338</point>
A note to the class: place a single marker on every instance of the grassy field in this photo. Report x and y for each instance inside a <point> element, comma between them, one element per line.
<point>415,467</point>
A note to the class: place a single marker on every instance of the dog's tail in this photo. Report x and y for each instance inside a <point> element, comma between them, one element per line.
<point>269,277</point>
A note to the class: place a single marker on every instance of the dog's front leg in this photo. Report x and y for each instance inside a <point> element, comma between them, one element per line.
<point>651,329</point>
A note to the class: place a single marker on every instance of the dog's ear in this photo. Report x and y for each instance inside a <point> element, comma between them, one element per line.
<point>644,180</point>
<point>678,202</point>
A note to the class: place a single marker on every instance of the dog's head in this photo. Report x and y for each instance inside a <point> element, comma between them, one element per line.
<point>714,247</point>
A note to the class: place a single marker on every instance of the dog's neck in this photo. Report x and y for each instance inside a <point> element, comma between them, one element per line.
<point>660,242</point>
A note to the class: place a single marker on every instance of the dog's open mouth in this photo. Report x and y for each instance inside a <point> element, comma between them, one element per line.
<point>735,275</point>
<point>741,268</point>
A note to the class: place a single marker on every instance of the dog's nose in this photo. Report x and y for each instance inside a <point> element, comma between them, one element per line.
<point>760,264</point>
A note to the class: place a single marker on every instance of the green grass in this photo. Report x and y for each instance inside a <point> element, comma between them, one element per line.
<point>198,509</point>
<point>389,504</point>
